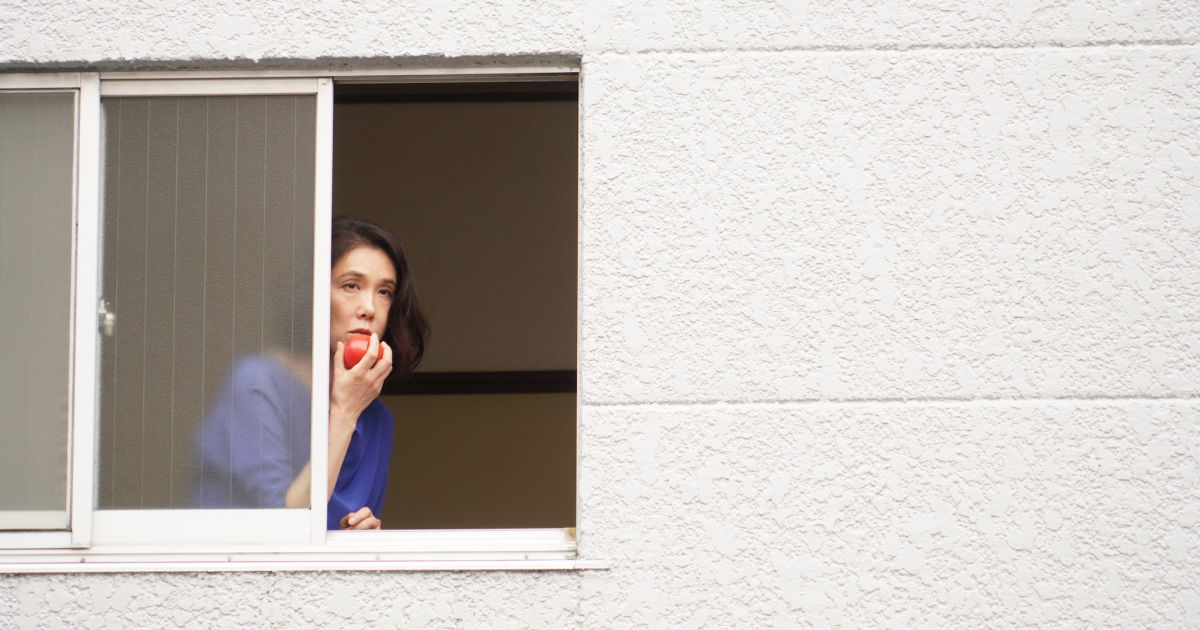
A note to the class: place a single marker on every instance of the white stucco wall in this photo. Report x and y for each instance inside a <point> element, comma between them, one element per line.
<point>890,311</point>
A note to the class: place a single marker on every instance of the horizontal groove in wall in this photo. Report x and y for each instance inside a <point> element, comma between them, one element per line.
<point>906,48</point>
<point>897,402</point>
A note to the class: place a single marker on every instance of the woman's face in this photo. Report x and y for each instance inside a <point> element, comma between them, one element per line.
<point>363,284</point>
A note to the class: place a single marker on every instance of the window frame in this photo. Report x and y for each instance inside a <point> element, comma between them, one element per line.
<point>297,539</point>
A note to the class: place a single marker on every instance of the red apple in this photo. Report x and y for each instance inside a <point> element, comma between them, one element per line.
<point>356,348</point>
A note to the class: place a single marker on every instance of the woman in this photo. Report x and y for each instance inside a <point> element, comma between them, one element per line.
<point>257,432</point>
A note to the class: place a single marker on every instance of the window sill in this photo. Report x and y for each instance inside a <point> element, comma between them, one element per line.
<point>148,563</point>
<point>443,550</point>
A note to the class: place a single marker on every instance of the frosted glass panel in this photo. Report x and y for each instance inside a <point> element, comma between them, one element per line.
<point>36,163</point>
<point>208,222</point>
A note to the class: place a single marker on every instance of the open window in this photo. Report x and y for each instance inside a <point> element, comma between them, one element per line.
<point>201,238</point>
<point>479,181</point>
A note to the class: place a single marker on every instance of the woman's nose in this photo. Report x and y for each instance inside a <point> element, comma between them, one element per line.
<point>366,307</point>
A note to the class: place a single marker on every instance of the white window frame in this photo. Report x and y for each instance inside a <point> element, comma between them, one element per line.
<point>223,540</point>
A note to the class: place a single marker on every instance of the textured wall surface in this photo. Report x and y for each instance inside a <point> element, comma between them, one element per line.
<point>716,25</point>
<point>924,224</point>
<point>890,311</point>
<point>942,515</point>
<point>46,31</point>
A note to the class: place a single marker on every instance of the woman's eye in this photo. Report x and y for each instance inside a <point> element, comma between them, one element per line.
<point>353,286</point>
<point>386,293</point>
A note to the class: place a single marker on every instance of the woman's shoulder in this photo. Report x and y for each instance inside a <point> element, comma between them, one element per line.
<point>262,372</point>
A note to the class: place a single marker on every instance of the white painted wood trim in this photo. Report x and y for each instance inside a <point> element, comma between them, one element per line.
<point>207,87</point>
<point>532,75</point>
<point>455,540</point>
<point>294,563</point>
<point>580,228</point>
<point>32,540</point>
<point>373,75</point>
<point>34,519</point>
<point>387,550</point>
<point>197,529</point>
<point>85,358</point>
<point>322,231</point>
<point>40,81</point>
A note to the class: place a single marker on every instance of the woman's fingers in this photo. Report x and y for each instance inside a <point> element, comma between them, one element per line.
<point>372,351</point>
<point>360,519</point>
<point>338,355</point>
<point>380,365</point>
<point>385,361</point>
<point>350,520</point>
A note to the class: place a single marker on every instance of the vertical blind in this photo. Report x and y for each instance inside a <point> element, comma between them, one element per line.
<point>36,180</point>
<point>207,266</point>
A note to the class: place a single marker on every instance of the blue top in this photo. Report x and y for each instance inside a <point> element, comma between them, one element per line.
<point>363,477</point>
<point>255,441</point>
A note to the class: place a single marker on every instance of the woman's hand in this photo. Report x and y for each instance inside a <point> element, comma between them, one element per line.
<point>351,390</point>
<point>362,519</point>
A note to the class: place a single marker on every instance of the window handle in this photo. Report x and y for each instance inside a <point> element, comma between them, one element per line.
<point>108,319</point>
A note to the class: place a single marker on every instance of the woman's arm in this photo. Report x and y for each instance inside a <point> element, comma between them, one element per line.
<point>297,493</point>
<point>350,392</point>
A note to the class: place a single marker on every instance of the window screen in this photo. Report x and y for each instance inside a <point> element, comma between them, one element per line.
<point>207,267</point>
<point>36,175</point>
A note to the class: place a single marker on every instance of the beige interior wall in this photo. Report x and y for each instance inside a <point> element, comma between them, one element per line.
<point>483,196</point>
<point>495,460</point>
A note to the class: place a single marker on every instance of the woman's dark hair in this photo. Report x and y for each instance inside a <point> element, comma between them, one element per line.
<point>406,330</point>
